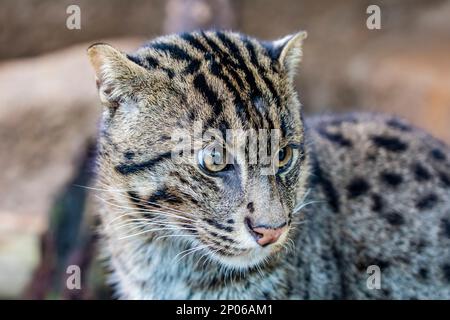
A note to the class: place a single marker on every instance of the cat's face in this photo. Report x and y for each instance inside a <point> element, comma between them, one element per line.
<point>226,101</point>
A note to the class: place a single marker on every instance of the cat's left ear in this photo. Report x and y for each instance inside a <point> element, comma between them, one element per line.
<point>117,76</point>
<point>288,51</point>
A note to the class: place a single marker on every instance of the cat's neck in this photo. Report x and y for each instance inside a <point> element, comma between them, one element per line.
<point>171,272</point>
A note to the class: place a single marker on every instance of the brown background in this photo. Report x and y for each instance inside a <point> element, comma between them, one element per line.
<point>49,108</point>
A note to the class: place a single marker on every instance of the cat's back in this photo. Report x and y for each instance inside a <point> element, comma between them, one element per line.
<point>385,187</point>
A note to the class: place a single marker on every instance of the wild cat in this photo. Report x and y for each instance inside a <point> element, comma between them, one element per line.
<point>348,191</point>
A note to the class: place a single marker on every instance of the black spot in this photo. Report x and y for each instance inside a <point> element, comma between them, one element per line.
<point>267,295</point>
<point>230,221</point>
<point>357,187</point>
<point>213,234</point>
<point>427,202</point>
<point>397,124</point>
<point>371,156</point>
<point>445,226</point>
<point>420,246</point>
<point>251,207</point>
<point>386,293</point>
<point>394,218</point>
<point>423,273</point>
<point>393,144</point>
<point>421,173</point>
<point>438,155</point>
<point>444,179</point>
<point>337,138</point>
<point>383,264</point>
<point>377,204</point>
<point>129,155</point>
<point>446,272</point>
<point>391,178</point>
<point>365,261</point>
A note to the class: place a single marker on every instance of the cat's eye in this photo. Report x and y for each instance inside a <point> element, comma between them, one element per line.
<point>285,156</point>
<point>212,159</point>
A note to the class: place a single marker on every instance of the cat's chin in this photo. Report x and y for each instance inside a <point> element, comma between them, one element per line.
<point>246,260</point>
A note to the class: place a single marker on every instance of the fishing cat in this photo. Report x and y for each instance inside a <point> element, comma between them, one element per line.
<point>347,191</point>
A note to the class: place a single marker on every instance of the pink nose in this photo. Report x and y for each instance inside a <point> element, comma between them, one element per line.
<point>266,235</point>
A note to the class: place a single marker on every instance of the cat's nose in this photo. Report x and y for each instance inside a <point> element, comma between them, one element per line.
<point>265,235</point>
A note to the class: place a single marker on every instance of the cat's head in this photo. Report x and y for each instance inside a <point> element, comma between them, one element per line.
<point>167,161</point>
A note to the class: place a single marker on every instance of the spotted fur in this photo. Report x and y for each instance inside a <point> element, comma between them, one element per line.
<point>362,190</point>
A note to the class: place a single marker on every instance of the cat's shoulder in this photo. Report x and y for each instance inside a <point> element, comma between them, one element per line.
<point>373,134</point>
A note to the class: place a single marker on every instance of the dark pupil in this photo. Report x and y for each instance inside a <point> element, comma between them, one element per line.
<point>281,155</point>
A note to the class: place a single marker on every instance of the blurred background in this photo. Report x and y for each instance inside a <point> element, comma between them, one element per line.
<point>49,107</point>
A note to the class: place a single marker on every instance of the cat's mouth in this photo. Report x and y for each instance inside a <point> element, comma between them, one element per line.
<point>246,259</point>
<point>245,253</point>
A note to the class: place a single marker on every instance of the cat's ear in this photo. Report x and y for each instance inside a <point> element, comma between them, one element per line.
<point>116,75</point>
<point>288,51</point>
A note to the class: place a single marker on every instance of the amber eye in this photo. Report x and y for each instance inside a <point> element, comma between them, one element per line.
<point>285,156</point>
<point>212,159</point>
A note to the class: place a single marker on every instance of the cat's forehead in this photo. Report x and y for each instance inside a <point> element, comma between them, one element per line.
<point>223,77</point>
<point>187,52</point>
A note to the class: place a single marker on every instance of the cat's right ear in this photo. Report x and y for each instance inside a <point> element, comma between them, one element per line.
<point>116,75</point>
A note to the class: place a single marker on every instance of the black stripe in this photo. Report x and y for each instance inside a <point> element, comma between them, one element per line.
<point>238,103</point>
<point>232,66</point>
<point>192,67</point>
<point>265,113</point>
<point>127,169</point>
<point>202,86</point>
<point>136,60</point>
<point>222,237</point>
<point>173,50</point>
<point>254,60</point>
<point>134,197</point>
<point>150,63</point>
<point>163,195</point>
<point>188,37</point>
<point>226,60</point>
<point>218,225</point>
<point>249,76</point>
<point>234,51</point>
<point>285,128</point>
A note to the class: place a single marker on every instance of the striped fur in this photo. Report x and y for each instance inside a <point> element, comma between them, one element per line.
<point>227,81</point>
<point>170,230</point>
